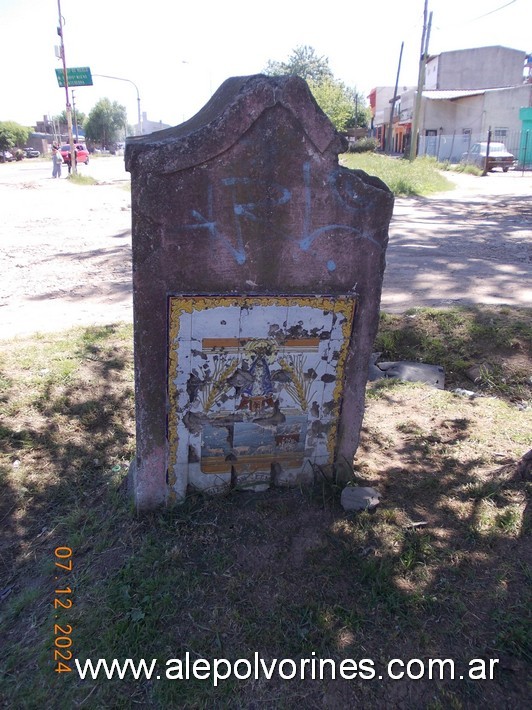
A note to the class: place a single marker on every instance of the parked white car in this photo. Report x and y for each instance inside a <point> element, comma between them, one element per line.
<point>499,156</point>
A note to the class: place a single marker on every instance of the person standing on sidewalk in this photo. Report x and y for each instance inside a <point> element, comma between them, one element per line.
<point>57,162</point>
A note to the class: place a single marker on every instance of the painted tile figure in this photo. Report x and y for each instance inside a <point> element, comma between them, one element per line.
<point>254,384</point>
<point>258,395</point>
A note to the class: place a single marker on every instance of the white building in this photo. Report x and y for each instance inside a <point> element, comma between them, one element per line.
<point>477,68</point>
<point>466,93</point>
<point>148,126</point>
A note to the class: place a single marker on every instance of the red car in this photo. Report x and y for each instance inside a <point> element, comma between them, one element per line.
<point>82,154</point>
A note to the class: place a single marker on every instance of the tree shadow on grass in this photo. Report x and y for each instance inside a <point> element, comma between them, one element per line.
<point>61,447</point>
<point>285,573</point>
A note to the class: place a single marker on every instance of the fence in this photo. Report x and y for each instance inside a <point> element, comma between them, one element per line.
<point>456,147</point>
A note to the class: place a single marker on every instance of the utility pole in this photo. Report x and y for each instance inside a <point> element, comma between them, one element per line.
<point>68,106</point>
<point>390,128</point>
<point>425,36</point>
<point>74,116</point>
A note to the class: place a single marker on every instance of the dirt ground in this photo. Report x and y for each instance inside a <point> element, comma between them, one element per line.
<point>441,570</point>
<point>65,249</point>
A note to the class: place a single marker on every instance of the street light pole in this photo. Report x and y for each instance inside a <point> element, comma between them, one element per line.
<point>119,78</point>
<point>68,107</point>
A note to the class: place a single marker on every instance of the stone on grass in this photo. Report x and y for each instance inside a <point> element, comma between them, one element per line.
<point>374,371</point>
<point>524,467</point>
<point>414,372</point>
<point>359,498</point>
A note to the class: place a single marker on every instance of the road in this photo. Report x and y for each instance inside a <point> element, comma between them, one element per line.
<point>470,245</point>
<point>65,249</point>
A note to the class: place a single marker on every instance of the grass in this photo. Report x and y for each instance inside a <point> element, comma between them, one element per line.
<point>82,179</point>
<point>285,573</point>
<point>404,178</point>
<point>461,168</point>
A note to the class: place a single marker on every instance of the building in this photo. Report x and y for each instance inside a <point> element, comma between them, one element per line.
<point>380,103</point>
<point>466,92</point>
<point>525,146</point>
<point>477,68</point>
<point>148,126</point>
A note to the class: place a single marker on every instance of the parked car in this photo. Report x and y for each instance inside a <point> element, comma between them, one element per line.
<point>31,153</point>
<point>499,156</point>
<point>82,154</point>
<point>6,156</point>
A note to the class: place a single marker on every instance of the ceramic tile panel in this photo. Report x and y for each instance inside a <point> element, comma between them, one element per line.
<point>222,320</point>
<point>259,321</point>
<point>246,393</point>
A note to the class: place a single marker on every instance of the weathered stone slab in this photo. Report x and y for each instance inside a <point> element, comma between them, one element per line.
<point>415,372</point>
<point>407,372</point>
<point>359,498</point>
<point>257,273</point>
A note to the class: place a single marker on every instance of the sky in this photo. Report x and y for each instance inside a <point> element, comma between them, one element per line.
<point>178,53</point>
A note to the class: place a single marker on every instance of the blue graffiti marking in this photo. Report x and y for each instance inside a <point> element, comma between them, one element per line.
<point>307,241</point>
<point>308,237</point>
<point>208,223</point>
<point>343,186</point>
<point>247,209</point>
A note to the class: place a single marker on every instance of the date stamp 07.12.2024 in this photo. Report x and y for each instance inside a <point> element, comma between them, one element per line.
<point>62,646</point>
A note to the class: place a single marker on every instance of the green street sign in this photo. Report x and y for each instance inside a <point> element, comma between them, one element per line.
<point>77,76</point>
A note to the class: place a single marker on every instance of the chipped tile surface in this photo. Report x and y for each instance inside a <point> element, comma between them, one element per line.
<point>247,389</point>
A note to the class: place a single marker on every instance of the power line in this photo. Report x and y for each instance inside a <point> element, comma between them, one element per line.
<point>493,11</point>
<point>474,19</point>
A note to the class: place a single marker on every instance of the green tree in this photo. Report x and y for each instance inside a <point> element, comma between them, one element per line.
<point>345,107</point>
<point>303,62</point>
<point>13,135</point>
<point>361,113</point>
<point>61,119</point>
<point>106,122</point>
<point>337,101</point>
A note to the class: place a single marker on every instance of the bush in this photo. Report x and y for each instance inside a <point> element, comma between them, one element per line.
<point>364,145</point>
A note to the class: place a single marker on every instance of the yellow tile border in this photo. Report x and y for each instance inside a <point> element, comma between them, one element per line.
<point>342,305</point>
